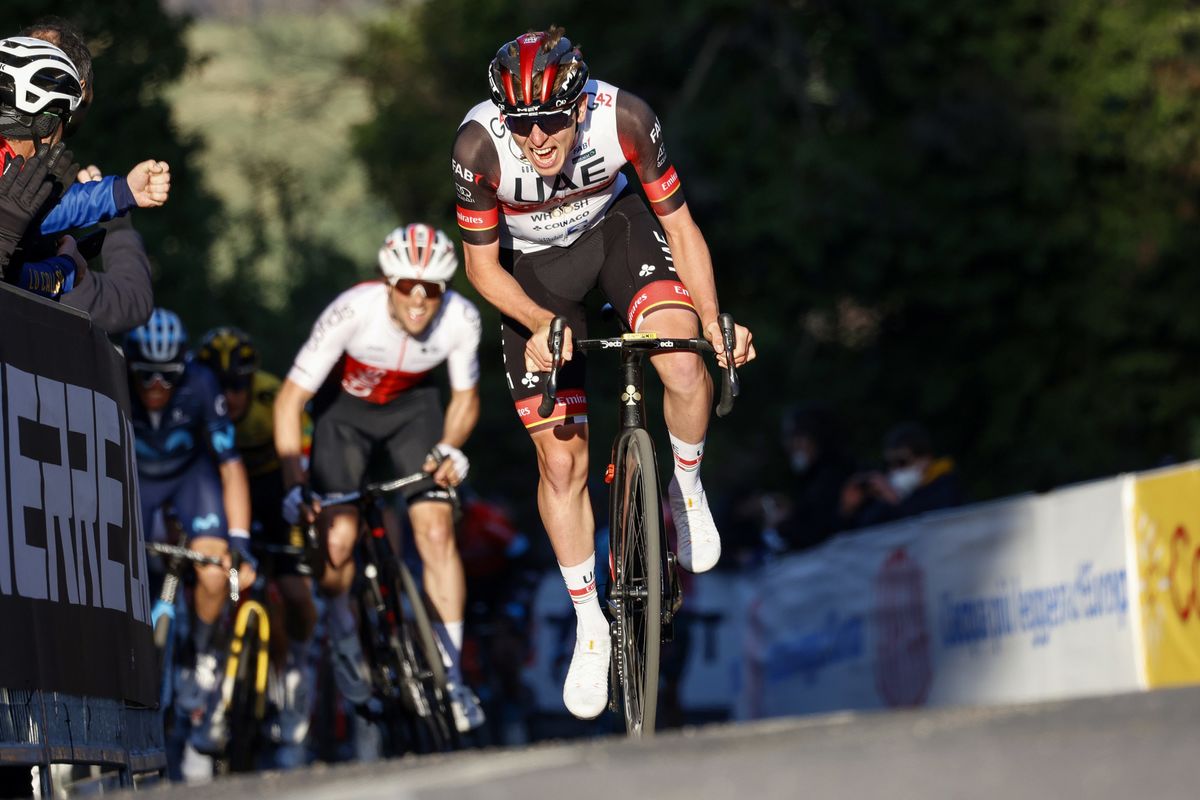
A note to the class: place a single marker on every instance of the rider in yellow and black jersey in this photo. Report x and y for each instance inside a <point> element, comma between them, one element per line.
<point>250,394</point>
<point>256,428</point>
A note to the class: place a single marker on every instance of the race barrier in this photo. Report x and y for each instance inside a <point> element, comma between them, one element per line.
<point>1086,590</point>
<point>1089,589</point>
<point>78,669</point>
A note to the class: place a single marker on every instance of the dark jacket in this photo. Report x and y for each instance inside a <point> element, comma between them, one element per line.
<point>940,488</point>
<point>120,298</point>
<point>815,495</point>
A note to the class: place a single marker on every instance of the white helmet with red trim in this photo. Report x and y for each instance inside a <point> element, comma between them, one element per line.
<point>419,252</point>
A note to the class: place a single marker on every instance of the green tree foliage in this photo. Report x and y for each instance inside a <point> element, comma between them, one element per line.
<point>138,53</point>
<point>977,215</point>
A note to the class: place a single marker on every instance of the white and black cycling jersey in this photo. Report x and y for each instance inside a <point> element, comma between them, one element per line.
<point>502,198</point>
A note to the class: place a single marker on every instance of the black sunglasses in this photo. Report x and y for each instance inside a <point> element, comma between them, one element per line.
<point>147,373</point>
<point>550,123</point>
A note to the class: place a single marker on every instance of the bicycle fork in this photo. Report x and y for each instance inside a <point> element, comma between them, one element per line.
<point>407,678</point>
<point>248,609</point>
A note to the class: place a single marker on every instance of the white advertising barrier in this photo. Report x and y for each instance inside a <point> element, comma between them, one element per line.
<point>1019,600</point>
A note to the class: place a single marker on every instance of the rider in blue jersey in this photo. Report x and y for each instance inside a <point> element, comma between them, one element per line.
<point>187,458</point>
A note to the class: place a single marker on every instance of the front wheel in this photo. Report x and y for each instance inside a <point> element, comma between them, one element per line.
<point>635,595</point>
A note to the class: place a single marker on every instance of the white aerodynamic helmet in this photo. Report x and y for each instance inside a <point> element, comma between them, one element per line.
<point>39,86</point>
<point>417,252</point>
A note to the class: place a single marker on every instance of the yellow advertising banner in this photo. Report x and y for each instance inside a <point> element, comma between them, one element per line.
<point>1165,521</point>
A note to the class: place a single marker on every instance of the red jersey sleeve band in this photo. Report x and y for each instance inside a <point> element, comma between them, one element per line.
<point>471,220</point>
<point>662,188</point>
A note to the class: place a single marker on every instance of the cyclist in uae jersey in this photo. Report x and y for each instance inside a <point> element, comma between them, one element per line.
<point>186,458</point>
<point>546,214</point>
<point>382,339</point>
<point>250,394</point>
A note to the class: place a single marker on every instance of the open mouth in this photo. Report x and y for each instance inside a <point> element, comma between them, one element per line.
<point>543,157</point>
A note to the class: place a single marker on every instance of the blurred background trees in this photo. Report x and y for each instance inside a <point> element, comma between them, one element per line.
<point>982,216</point>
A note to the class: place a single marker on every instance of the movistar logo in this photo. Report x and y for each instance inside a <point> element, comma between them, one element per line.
<point>206,523</point>
<point>179,440</point>
<point>223,439</point>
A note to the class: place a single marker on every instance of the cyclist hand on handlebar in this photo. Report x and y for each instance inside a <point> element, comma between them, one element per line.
<point>537,349</point>
<point>247,563</point>
<point>300,506</point>
<point>452,466</point>
<point>743,350</point>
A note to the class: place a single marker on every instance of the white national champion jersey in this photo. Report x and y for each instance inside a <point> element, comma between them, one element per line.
<point>381,359</point>
<point>538,212</point>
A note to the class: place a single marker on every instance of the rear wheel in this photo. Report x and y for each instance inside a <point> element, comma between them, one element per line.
<point>636,594</point>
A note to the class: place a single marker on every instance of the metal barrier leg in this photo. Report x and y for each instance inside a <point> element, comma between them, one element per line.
<point>46,780</point>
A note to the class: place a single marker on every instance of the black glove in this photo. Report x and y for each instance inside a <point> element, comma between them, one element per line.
<point>24,190</point>
<point>241,545</point>
<point>62,171</point>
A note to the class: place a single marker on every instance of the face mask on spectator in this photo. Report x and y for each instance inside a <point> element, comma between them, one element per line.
<point>905,480</point>
<point>800,461</point>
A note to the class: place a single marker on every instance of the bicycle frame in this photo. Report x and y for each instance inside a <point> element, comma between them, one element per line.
<point>651,588</point>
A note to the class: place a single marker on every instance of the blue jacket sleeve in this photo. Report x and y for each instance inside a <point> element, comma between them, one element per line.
<point>89,203</point>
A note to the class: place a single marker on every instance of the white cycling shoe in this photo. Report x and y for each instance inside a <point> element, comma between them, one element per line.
<point>699,541</point>
<point>585,692</point>
<point>464,704</point>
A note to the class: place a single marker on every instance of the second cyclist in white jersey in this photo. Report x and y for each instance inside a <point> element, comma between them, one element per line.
<point>381,340</point>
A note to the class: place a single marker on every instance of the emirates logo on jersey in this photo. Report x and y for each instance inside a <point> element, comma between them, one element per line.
<point>362,382</point>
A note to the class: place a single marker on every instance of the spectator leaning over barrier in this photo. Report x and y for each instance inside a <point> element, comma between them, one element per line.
<point>915,481</point>
<point>120,298</point>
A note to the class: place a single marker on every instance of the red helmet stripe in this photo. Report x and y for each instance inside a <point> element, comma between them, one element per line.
<point>430,235</point>
<point>506,76</point>
<point>411,234</point>
<point>548,81</point>
<point>530,43</point>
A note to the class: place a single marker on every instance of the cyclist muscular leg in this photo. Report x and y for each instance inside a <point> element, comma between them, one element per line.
<point>687,398</point>
<point>212,582</point>
<point>446,586</point>
<point>445,583</point>
<point>341,532</point>
<point>567,515</point>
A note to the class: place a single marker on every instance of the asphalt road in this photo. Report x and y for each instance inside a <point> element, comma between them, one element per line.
<point>1129,746</point>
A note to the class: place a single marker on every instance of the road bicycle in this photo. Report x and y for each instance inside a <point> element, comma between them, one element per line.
<point>405,663</point>
<point>162,615</point>
<point>643,595</point>
<point>238,722</point>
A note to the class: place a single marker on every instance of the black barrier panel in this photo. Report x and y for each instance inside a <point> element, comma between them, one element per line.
<point>73,594</point>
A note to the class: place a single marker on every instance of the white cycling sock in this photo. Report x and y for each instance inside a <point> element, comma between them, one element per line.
<point>687,464</point>
<point>341,616</point>
<point>581,585</point>
<point>450,640</point>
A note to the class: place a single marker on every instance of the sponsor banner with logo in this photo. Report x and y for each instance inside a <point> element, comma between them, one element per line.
<point>1165,521</point>
<point>73,589</point>
<point>1019,600</point>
